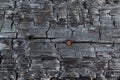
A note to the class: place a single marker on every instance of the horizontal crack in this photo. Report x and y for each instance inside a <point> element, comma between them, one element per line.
<point>94,42</point>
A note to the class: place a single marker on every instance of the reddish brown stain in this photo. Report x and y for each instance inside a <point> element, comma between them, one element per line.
<point>68,42</point>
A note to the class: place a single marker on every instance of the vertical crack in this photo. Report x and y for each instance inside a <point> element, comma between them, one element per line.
<point>114,22</point>
<point>3,21</point>
<point>0,58</point>
<point>72,33</point>
<point>12,44</point>
<point>12,21</point>
<point>13,13</point>
<point>99,31</point>
<point>113,44</point>
<point>48,29</point>
<point>16,75</point>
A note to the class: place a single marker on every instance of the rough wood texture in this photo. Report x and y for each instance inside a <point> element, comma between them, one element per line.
<point>59,39</point>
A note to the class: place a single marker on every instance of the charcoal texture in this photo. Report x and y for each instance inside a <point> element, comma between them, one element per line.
<point>59,39</point>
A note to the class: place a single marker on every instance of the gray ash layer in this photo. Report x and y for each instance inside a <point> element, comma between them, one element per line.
<point>34,35</point>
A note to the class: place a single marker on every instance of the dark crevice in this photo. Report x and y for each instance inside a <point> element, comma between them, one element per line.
<point>114,22</point>
<point>3,21</point>
<point>107,1</point>
<point>116,1</point>
<point>12,44</point>
<point>113,44</point>
<point>118,78</point>
<point>48,29</point>
<point>0,58</point>
<point>12,21</point>
<point>72,33</point>
<point>30,37</point>
<point>13,14</point>
<point>99,34</point>
<point>90,42</point>
<point>85,4</point>
<point>16,78</point>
